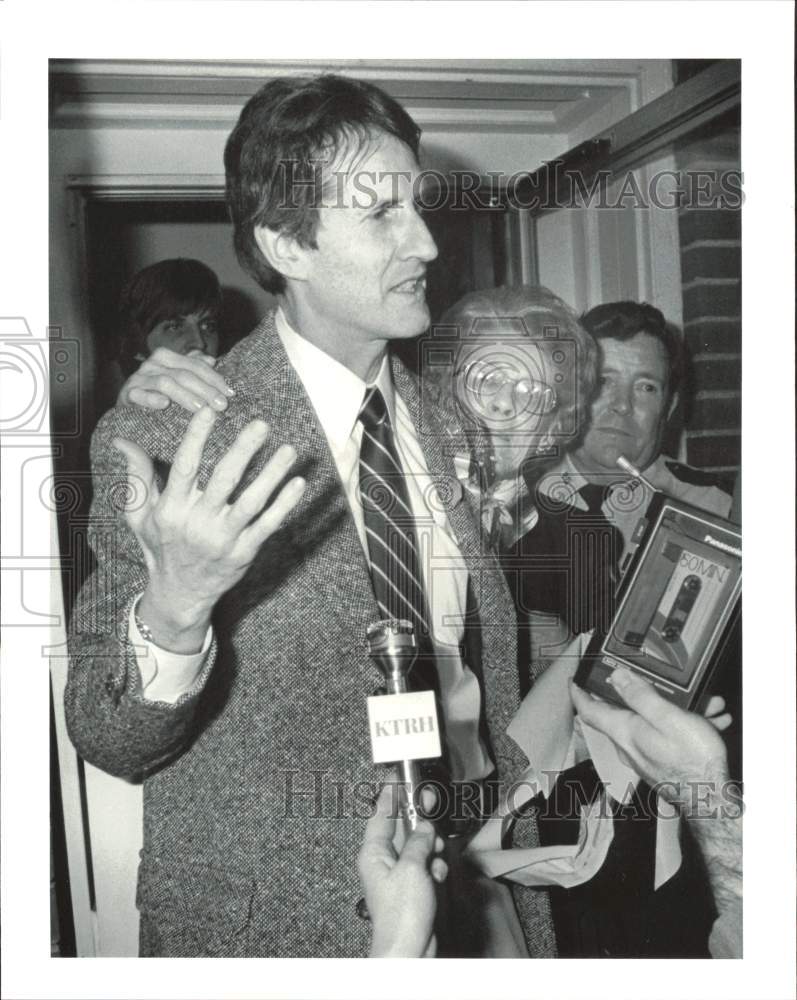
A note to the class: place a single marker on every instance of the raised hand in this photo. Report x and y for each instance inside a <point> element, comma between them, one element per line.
<point>168,377</point>
<point>196,544</point>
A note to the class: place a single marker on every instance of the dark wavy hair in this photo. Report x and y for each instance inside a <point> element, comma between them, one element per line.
<point>175,287</point>
<point>275,155</point>
<point>624,320</point>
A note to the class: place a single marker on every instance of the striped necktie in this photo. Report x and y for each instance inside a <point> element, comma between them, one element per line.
<point>398,581</point>
<point>389,523</point>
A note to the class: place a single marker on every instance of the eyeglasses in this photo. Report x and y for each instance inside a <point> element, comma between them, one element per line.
<point>483,380</point>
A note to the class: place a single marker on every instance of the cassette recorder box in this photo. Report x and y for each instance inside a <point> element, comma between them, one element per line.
<point>678,607</point>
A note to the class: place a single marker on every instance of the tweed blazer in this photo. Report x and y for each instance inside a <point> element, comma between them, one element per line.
<point>257,783</point>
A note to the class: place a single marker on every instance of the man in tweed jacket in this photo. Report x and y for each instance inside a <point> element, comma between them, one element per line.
<point>251,734</point>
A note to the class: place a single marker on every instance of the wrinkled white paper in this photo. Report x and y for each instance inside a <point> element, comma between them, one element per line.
<point>553,739</point>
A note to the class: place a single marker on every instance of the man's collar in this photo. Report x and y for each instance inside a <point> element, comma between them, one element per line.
<point>574,477</point>
<point>336,392</point>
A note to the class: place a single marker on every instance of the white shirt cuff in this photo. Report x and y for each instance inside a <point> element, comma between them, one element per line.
<point>165,676</point>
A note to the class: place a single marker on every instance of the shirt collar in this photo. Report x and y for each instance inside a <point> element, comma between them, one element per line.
<point>335,392</point>
<point>574,477</point>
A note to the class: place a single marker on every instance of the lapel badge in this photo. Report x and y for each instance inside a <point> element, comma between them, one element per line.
<point>449,492</point>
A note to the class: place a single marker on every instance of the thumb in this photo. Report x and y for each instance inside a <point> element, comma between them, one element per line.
<point>207,358</point>
<point>419,845</point>
<point>142,491</point>
<point>641,697</point>
<point>598,714</point>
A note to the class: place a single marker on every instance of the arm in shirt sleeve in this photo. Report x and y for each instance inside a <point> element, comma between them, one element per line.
<point>111,722</point>
<point>166,676</point>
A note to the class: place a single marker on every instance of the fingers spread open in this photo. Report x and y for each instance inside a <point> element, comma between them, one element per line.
<point>268,522</point>
<point>230,468</point>
<point>182,478</point>
<point>255,497</point>
<point>142,488</point>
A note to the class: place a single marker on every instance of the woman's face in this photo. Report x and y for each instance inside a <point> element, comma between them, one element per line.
<point>198,331</point>
<point>508,387</point>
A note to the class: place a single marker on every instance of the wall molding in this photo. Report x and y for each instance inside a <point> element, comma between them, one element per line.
<point>513,96</point>
<point>147,187</point>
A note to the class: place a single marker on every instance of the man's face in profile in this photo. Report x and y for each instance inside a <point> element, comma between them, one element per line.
<point>630,413</point>
<point>507,386</point>
<point>366,281</point>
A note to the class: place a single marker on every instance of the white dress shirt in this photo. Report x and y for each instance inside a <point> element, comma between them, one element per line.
<point>336,395</point>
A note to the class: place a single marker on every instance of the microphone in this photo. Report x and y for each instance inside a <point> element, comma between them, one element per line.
<point>632,470</point>
<point>392,647</point>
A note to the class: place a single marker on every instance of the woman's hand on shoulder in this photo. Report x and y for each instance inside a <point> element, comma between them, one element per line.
<point>166,377</point>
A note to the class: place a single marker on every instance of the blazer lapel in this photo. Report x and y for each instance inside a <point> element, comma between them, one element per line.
<point>322,528</point>
<point>441,438</point>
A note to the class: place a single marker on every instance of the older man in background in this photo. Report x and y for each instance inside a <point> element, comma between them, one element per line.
<point>590,508</point>
<point>591,499</point>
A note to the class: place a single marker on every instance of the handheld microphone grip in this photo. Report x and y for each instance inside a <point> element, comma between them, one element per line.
<point>392,646</point>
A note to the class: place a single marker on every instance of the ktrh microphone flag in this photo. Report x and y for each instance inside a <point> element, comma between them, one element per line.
<point>403,724</point>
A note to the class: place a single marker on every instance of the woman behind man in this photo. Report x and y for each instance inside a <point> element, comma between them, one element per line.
<point>174,303</point>
<point>169,322</point>
<point>523,375</point>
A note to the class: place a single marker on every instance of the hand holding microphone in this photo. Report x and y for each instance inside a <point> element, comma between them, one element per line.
<point>400,887</point>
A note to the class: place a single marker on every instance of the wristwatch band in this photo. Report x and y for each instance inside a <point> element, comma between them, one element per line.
<point>144,629</point>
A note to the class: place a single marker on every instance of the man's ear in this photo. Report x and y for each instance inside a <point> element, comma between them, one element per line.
<point>282,252</point>
<point>673,404</point>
